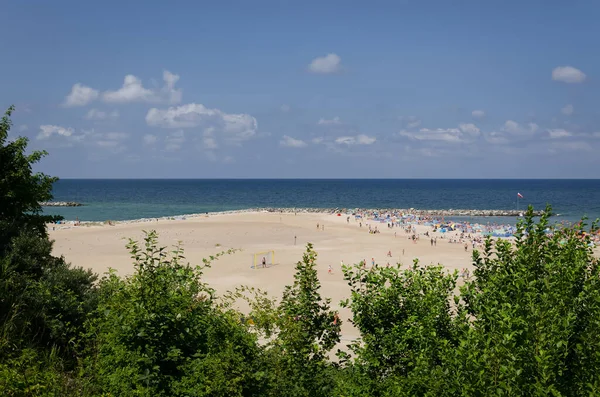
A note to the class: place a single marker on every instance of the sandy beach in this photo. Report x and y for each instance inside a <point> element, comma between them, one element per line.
<point>102,247</point>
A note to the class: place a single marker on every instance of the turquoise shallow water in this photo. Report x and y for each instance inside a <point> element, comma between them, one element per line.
<point>120,199</point>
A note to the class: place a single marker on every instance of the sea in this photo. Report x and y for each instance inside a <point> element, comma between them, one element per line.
<point>127,199</point>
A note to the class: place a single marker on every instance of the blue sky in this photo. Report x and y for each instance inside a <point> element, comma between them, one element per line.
<point>274,89</point>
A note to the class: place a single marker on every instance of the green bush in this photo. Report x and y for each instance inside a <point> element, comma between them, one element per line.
<point>160,332</point>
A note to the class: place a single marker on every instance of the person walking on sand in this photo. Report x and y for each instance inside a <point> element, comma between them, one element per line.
<point>330,269</point>
<point>264,262</point>
<point>318,226</point>
<point>389,253</point>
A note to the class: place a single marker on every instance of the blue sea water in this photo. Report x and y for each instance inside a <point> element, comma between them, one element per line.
<point>121,199</point>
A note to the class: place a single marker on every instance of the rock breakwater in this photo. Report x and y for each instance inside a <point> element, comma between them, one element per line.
<point>60,204</point>
<point>405,211</point>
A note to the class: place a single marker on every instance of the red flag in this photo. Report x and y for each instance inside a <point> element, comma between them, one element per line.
<point>519,195</point>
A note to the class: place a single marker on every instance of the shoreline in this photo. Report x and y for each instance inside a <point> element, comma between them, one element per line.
<point>422,213</point>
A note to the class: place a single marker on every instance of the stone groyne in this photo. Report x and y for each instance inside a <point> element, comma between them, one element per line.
<point>60,204</point>
<point>409,211</point>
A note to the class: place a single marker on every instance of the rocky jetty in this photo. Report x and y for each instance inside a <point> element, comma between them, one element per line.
<point>60,204</point>
<point>410,211</point>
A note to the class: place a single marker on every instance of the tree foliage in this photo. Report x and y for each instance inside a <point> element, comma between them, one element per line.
<point>21,190</point>
<point>160,332</point>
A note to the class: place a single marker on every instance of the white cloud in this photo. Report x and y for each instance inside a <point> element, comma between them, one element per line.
<point>150,139</point>
<point>469,129</point>
<point>330,63</point>
<point>334,121</point>
<point>23,127</point>
<point>440,134</point>
<point>288,141</point>
<point>356,140</point>
<point>173,95</point>
<point>573,146</point>
<point>559,133</point>
<point>174,141</point>
<point>478,114</point>
<point>95,114</point>
<point>111,141</point>
<point>410,121</point>
<point>80,95</point>
<point>285,108</point>
<point>495,137</point>
<point>568,74</point>
<point>133,90</point>
<point>46,131</point>
<point>210,142</point>
<point>414,124</point>
<point>512,127</point>
<point>233,127</point>
<point>567,110</point>
<point>317,140</point>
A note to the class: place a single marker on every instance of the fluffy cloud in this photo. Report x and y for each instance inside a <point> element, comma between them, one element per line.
<point>215,124</point>
<point>288,141</point>
<point>496,138</point>
<point>334,121</point>
<point>568,74</point>
<point>330,63</point>
<point>170,93</point>
<point>478,114</point>
<point>356,140</point>
<point>210,142</point>
<point>111,141</point>
<point>512,127</point>
<point>232,127</point>
<point>440,134</point>
<point>469,129</point>
<point>47,130</point>
<point>558,133</point>
<point>150,139</point>
<point>567,110</point>
<point>132,90</point>
<point>414,124</point>
<point>80,95</point>
<point>174,141</point>
<point>576,146</point>
<point>410,121</point>
<point>95,114</point>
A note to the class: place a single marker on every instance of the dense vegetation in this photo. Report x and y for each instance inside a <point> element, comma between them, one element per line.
<point>527,324</point>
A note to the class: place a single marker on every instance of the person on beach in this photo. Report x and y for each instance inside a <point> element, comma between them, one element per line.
<point>330,269</point>
<point>318,226</point>
<point>389,253</point>
<point>264,262</point>
<point>372,262</point>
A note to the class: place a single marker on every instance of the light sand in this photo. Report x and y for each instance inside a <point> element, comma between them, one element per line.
<point>103,247</point>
